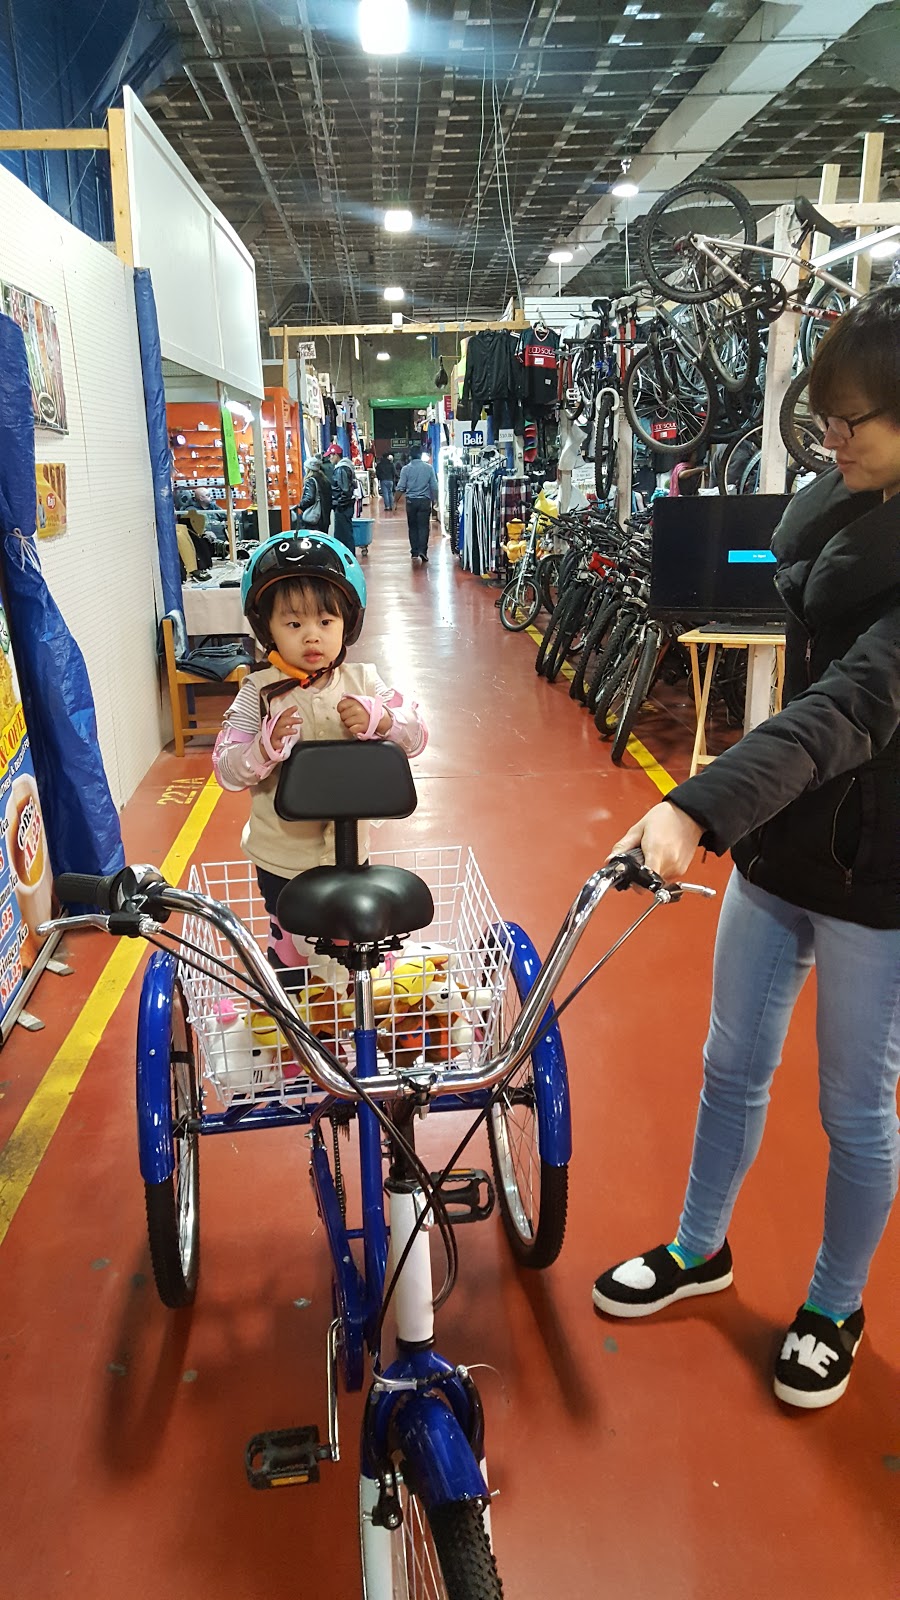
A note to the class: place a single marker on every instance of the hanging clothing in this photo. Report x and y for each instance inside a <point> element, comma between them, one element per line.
<point>493,378</point>
<point>539,354</point>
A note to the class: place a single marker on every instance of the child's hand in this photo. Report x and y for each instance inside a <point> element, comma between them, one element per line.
<point>289,723</point>
<point>356,718</point>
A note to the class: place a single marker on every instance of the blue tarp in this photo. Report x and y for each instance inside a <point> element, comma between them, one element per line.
<point>158,436</point>
<point>82,823</point>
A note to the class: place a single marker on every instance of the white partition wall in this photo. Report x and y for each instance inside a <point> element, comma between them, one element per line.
<point>204,278</point>
<point>103,571</point>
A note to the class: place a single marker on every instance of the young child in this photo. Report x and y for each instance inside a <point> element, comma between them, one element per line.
<point>304,595</point>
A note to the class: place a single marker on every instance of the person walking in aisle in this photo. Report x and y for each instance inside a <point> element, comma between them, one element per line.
<point>809,804</point>
<point>343,496</point>
<point>384,472</point>
<point>314,510</point>
<point>420,486</point>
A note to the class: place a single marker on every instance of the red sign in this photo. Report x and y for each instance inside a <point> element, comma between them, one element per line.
<point>664,432</point>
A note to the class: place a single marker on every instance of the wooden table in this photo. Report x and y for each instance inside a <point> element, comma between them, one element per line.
<point>726,641</point>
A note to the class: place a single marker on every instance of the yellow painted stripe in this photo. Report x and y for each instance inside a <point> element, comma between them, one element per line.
<point>654,770</point>
<point>28,1142</point>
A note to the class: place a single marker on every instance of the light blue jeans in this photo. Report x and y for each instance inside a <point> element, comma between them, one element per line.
<point>765,950</point>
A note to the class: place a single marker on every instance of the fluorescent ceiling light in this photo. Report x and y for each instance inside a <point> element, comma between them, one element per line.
<point>625,189</point>
<point>383,355</point>
<point>394,293</point>
<point>398,220</point>
<point>384,27</point>
<point>419,336</point>
<point>610,234</point>
<point>560,258</point>
<point>886,249</point>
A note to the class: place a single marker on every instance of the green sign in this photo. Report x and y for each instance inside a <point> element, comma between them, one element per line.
<point>229,449</point>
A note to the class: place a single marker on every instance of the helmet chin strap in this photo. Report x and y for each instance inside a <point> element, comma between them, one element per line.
<point>305,679</point>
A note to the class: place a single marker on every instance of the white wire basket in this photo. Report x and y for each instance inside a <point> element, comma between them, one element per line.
<point>438,1000</point>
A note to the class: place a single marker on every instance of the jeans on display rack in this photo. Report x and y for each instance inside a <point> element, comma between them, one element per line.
<point>765,950</point>
<point>418,521</point>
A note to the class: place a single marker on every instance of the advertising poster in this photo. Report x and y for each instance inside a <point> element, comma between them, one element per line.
<point>37,320</point>
<point>26,884</point>
<point>51,499</point>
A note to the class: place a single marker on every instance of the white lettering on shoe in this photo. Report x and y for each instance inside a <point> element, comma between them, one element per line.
<point>810,1352</point>
<point>635,1274</point>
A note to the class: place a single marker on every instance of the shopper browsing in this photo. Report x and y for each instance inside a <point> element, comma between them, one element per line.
<point>343,496</point>
<point>386,476</point>
<point>314,510</point>
<point>420,486</point>
<point>809,804</point>
<point>305,598</point>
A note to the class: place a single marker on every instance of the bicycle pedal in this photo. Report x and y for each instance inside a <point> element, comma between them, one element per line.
<point>284,1457</point>
<point>461,1192</point>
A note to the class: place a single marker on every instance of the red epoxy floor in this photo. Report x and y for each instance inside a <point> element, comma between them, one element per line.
<point>642,1461</point>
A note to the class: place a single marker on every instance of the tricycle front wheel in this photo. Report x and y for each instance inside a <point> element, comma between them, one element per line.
<point>173,1205</point>
<point>532,1192</point>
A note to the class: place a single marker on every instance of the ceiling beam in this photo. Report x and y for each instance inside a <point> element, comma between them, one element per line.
<point>779,42</point>
<point>466,325</point>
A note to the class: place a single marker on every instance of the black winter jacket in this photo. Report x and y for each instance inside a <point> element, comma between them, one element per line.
<point>316,499</point>
<point>809,802</point>
<point>493,375</point>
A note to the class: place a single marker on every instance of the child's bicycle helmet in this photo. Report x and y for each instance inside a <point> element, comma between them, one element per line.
<point>303,555</point>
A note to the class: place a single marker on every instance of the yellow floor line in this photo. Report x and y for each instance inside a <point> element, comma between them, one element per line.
<point>24,1150</point>
<point>655,772</point>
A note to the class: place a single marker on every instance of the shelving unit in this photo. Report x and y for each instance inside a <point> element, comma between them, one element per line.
<point>284,467</point>
<point>198,462</point>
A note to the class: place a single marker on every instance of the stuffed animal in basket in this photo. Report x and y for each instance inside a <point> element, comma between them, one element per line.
<point>424,1009</point>
<point>239,1060</point>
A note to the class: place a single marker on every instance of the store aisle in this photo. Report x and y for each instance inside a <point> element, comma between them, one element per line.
<point>632,1461</point>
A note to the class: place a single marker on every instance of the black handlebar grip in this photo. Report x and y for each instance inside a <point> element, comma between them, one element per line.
<point>83,888</point>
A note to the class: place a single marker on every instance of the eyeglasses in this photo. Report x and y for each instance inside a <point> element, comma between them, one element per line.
<point>843,428</point>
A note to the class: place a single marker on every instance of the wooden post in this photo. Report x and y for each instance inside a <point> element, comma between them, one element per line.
<point>869,190</point>
<point>624,463</point>
<point>229,493</point>
<point>281,403</point>
<point>121,194</point>
<point>828,193</point>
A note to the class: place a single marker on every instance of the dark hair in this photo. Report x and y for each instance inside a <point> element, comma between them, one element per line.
<point>863,349</point>
<point>324,595</point>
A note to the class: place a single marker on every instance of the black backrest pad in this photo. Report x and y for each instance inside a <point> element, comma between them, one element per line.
<point>344,781</point>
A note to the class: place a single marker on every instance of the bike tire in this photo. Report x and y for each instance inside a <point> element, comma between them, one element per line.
<point>693,428</point>
<point>173,1206</point>
<point>568,631</point>
<point>642,677</point>
<point>441,1554</point>
<point>605,446</point>
<point>615,679</point>
<point>578,686</point>
<point>605,655</point>
<point>532,1195</point>
<point>651,246</point>
<point>734,456</point>
<point>798,428</point>
<point>520,603</point>
<point>549,639</point>
<point>548,580</point>
<point>812,329</point>
<point>746,328</point>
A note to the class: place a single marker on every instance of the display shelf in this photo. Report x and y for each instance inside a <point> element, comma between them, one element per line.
<point>199,462</point>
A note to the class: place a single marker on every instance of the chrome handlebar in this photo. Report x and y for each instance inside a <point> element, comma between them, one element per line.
<point>317,1060</point>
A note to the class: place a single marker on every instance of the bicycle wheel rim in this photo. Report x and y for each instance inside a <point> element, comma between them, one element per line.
<point>185,1144</point>
<point>655,392</point>
<point>520,606</point>
<point>514,1129</point>
<point>671,267</point>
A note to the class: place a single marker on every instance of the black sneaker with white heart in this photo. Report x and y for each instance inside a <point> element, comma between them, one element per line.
<point>816,1359</point>
<point>647,1283</point>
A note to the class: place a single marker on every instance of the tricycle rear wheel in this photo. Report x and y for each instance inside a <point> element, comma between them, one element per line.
<point>173,1206</point>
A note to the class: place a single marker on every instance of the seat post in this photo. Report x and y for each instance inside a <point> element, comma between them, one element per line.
<point>346,843</point>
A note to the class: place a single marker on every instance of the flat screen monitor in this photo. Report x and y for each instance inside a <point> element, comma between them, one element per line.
<point>711,559</point>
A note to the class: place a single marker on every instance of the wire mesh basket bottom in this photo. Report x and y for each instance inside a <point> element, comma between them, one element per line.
<point>439,999</point>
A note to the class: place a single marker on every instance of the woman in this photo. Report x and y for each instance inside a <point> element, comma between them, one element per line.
<point>809,803</point>
<point>314,510</point>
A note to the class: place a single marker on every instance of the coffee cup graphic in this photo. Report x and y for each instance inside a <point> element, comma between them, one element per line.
<point>26,847</point>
